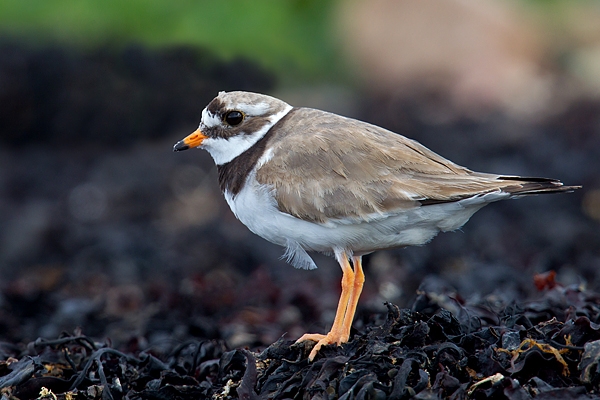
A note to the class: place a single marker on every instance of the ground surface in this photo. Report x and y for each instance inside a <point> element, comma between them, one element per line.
<point>547,349</point>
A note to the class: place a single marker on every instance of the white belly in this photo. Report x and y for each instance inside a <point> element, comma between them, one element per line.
<point>256,208</point>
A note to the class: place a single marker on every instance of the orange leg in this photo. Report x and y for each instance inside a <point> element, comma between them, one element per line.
<point>359,280</point>
<point>352,282</point>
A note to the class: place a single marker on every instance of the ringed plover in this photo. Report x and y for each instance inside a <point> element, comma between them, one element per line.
<point>310,180</point>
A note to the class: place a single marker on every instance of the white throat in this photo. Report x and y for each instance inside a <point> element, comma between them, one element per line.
<point>223,150</point>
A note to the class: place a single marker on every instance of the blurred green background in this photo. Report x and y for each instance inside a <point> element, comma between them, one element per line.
<point>293,37</point>
<point>302,41</point>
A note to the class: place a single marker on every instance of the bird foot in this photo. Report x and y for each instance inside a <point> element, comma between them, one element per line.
<point>322,340</point>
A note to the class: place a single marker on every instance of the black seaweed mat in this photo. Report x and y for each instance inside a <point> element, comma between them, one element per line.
<point>544,349</point>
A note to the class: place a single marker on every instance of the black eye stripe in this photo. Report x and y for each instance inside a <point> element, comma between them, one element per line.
<point>233,118</point>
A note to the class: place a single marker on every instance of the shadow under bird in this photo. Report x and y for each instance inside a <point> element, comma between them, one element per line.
<point>310,180</point>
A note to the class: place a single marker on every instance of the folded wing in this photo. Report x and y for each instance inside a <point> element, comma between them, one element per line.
<point>363,172</point>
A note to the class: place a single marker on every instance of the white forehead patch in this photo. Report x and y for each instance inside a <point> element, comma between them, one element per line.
<point>255,109</point>
<point>209,119</point>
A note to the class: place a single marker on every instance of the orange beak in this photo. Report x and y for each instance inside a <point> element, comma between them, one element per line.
<point>194,139</point>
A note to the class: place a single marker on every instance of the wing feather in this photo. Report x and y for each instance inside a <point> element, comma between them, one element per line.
<point>325,167</point>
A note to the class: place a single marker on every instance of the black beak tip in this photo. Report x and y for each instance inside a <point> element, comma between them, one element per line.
<point>180,146</point>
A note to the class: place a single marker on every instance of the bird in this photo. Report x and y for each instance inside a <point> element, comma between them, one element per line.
<point>313,181</point>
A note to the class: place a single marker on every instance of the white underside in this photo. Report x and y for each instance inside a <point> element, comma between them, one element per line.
<point>256,208</point>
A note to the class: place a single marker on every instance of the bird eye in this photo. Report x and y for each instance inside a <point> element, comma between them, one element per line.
<point>234,118</point>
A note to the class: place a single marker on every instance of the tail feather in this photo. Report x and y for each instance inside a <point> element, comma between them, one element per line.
<point>526,185</point>
<point>513,185</point>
